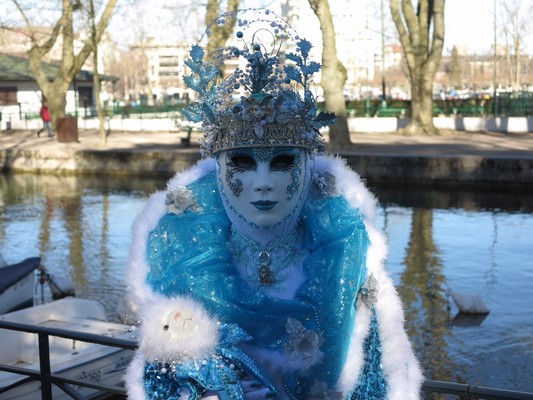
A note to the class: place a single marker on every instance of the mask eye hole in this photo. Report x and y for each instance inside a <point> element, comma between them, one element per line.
<point>166,327</point>
<point>283,162</point>
<point>242,162</point>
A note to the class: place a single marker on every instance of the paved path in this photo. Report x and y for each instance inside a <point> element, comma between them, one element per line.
<point>457,157</point>
<point>508,145</point>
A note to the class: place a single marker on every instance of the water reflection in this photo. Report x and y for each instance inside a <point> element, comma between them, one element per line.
<point>466,197</point>
<point>465,240</point>
<point>104,250</point>
<point>80,226</point>
<point>475,242</point>
<point>72,210</point>
<point>422,289</point>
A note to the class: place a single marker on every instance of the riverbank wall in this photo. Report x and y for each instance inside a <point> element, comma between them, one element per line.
<point>456,159</point>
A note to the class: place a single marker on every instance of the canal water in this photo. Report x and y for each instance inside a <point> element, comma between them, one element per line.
<point>468,241</point>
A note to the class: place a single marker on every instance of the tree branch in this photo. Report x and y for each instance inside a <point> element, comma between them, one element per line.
<point>90,43</point>
<point>37,49</point>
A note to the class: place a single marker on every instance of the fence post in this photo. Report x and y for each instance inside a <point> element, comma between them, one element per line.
<point>44,362</point>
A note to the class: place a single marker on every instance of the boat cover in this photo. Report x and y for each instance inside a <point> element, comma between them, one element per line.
<point>11,274</point>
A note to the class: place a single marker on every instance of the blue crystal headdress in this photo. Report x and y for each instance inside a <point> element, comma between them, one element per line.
<point>277,108</point>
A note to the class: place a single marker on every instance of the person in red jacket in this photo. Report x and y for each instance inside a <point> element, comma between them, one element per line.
<point>45,116</point>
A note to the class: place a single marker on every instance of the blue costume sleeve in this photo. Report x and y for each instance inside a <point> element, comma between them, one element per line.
<point>220,372</point>
<point>336,268</point>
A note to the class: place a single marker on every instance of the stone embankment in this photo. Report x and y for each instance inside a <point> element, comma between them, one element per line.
<point>454,158</point>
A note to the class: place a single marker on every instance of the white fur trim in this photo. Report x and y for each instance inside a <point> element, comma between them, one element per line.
<point>147,221</point>
<point>175,328</point>
<point>144,297</point>
<point>199,170</point>
<point>134,377</point>
<point>191,333</point>
<point>400,367</point>
<point>350,184</point>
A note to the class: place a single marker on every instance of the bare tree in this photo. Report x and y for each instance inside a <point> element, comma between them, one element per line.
<point>219,34</point>
<point>189,19</point>
<point>455,68</point>
<point>71,63</point>
<point>516,25</point>
<point>422,291</point>
<point>421,34</point>
<point>96,75</point>
<point>333,76</point>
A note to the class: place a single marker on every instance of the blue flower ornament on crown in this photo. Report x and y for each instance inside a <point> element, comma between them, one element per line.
<point>278,107</point>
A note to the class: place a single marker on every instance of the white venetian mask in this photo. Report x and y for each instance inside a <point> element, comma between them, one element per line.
<point>263,186</point>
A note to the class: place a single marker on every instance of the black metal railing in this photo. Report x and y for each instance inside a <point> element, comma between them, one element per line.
<point>45,375</point>
<point>471,392</point>
<point>47,378</point>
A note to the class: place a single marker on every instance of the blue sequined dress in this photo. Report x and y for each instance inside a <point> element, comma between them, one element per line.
<point>327,337</point>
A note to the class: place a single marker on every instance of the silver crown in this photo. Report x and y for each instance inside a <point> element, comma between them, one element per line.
<point>278,108</point>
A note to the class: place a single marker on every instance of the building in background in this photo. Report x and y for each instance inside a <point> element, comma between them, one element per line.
<point>158,75</point>
<point>21,97</point>
<point>160,66</point>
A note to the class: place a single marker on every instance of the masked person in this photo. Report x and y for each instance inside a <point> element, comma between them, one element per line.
<point>259,271</point>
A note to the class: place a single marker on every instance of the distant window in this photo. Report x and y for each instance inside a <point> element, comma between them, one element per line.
<point>8,96</point>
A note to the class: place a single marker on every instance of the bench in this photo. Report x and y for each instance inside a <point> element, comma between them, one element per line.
<point>390,112</point>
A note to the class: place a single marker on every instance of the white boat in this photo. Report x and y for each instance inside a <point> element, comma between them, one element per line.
<point>17,284</point>
<point>76,359</point>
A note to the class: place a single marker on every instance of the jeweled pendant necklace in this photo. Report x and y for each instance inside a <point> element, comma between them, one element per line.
<point>265,266</point>
<point>266,276</point>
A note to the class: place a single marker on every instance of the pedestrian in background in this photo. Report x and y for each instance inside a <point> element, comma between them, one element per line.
<point>45,116</point>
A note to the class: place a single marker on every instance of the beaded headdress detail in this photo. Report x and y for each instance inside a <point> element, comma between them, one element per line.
<point>277,107</point>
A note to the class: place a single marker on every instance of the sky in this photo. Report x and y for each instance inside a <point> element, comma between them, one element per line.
<point>470,23</point>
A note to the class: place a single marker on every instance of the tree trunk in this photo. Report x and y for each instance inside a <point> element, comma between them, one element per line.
<point>55,90</point>
<point>422,291</point>
<point>96,78</point>
<point>56,104</point>
<point>333,76</point>
<point>421,109</point>
<point>98,103</point>
<point>516,26</point>
<point>517,45</point>
<point>421,34</point>
<point>219,33</point>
